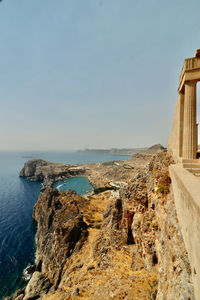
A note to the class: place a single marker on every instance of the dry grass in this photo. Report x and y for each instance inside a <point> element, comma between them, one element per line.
<point>117,281</point>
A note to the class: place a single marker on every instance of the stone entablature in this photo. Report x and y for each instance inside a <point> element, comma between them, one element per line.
<point>190,71</point>
<point>183,142</point>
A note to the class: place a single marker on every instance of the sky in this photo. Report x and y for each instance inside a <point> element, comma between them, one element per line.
<point>80,74</point>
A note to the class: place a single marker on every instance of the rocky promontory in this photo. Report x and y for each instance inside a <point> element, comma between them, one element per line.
<point>48,172</point>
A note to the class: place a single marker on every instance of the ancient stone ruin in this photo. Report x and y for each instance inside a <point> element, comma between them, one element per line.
<point>183,146</point>
<point>183,142</point>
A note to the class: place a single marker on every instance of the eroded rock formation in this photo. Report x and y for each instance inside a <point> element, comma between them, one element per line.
<point>61,232</point>
<point>149,214</point>
<point>47,172</point>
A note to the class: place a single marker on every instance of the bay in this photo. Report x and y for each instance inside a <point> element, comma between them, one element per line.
<point>17,199</point>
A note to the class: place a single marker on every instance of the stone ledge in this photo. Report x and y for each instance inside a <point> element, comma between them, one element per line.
<point>189,183</point>
<point>186,189</point>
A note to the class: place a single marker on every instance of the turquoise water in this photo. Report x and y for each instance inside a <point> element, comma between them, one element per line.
<point>79,184</point>
<point>17,199</point>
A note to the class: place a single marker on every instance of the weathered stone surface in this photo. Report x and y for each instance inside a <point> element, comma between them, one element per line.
<point>183,141</point>
<point>20,297</point>
<point>60,231</point>
<point>27,273</point>
<point>149,215</point>
<point>41,170</point>
<point>75,293</point>
<point>186,189</point>
<point>18,293</point>
<point>109,235</point>
<point>31,167</point>
<point>37,286</point>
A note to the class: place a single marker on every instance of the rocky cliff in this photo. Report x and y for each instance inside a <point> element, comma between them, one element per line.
<point>150,220</point>
<point>112,246</point>
<point>61,231</point>
<point>47,172</point>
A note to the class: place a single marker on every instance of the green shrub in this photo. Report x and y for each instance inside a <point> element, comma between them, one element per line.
<point>154,225</point>
<point>163,189</point>
<point>103,189</point>
<point>109,163</point>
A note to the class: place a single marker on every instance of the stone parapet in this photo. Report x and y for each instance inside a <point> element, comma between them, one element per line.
<point>186,189</point>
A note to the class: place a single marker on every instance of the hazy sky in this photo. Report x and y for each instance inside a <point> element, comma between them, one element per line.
<point>92,73</point>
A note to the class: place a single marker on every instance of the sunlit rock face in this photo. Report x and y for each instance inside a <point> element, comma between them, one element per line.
<point>61,231</point>
<point>48,172</point>
<point>150,222</point>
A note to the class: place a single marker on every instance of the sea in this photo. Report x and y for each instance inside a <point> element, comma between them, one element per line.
<point>17,199</point>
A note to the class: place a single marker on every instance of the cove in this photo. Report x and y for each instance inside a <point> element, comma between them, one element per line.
<point>80,185</point>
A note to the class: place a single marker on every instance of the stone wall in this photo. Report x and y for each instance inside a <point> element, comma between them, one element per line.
<point>186,189</point>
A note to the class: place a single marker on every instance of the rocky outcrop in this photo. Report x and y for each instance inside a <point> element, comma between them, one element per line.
<point>150,222</point>
<point>33,169</point>
<point>38,286</point>
<point>156,147</point>
<point>47,172</point>
<point>109,235</point>
<point>61,232</point>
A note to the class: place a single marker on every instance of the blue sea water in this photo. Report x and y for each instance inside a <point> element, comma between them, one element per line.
<point>17,199</point>
<point>79,184</point>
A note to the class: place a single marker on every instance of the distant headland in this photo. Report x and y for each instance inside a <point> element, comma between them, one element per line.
<point>122,151</point>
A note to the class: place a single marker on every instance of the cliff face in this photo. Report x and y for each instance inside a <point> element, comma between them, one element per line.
<point>33,169</point>
<point>112,247</point>
<point>47,172</point>
<point>61,232</point>
<point>149,218</point>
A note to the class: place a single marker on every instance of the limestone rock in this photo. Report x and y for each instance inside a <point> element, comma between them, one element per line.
<point>31,169</point>
<point>37,286</point>
<point>149,218</point>
<point>109,235</point>
<point>18,293</point>
<point>47,172</point>
<point>20,297</point>
<point>60,231</point>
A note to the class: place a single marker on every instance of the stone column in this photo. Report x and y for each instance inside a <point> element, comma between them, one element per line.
<point>190,127</point>
<point>197,125</point>
<point>181,122</point>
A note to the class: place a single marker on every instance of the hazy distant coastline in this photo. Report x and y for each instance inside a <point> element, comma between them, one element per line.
<point>115,151</point>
